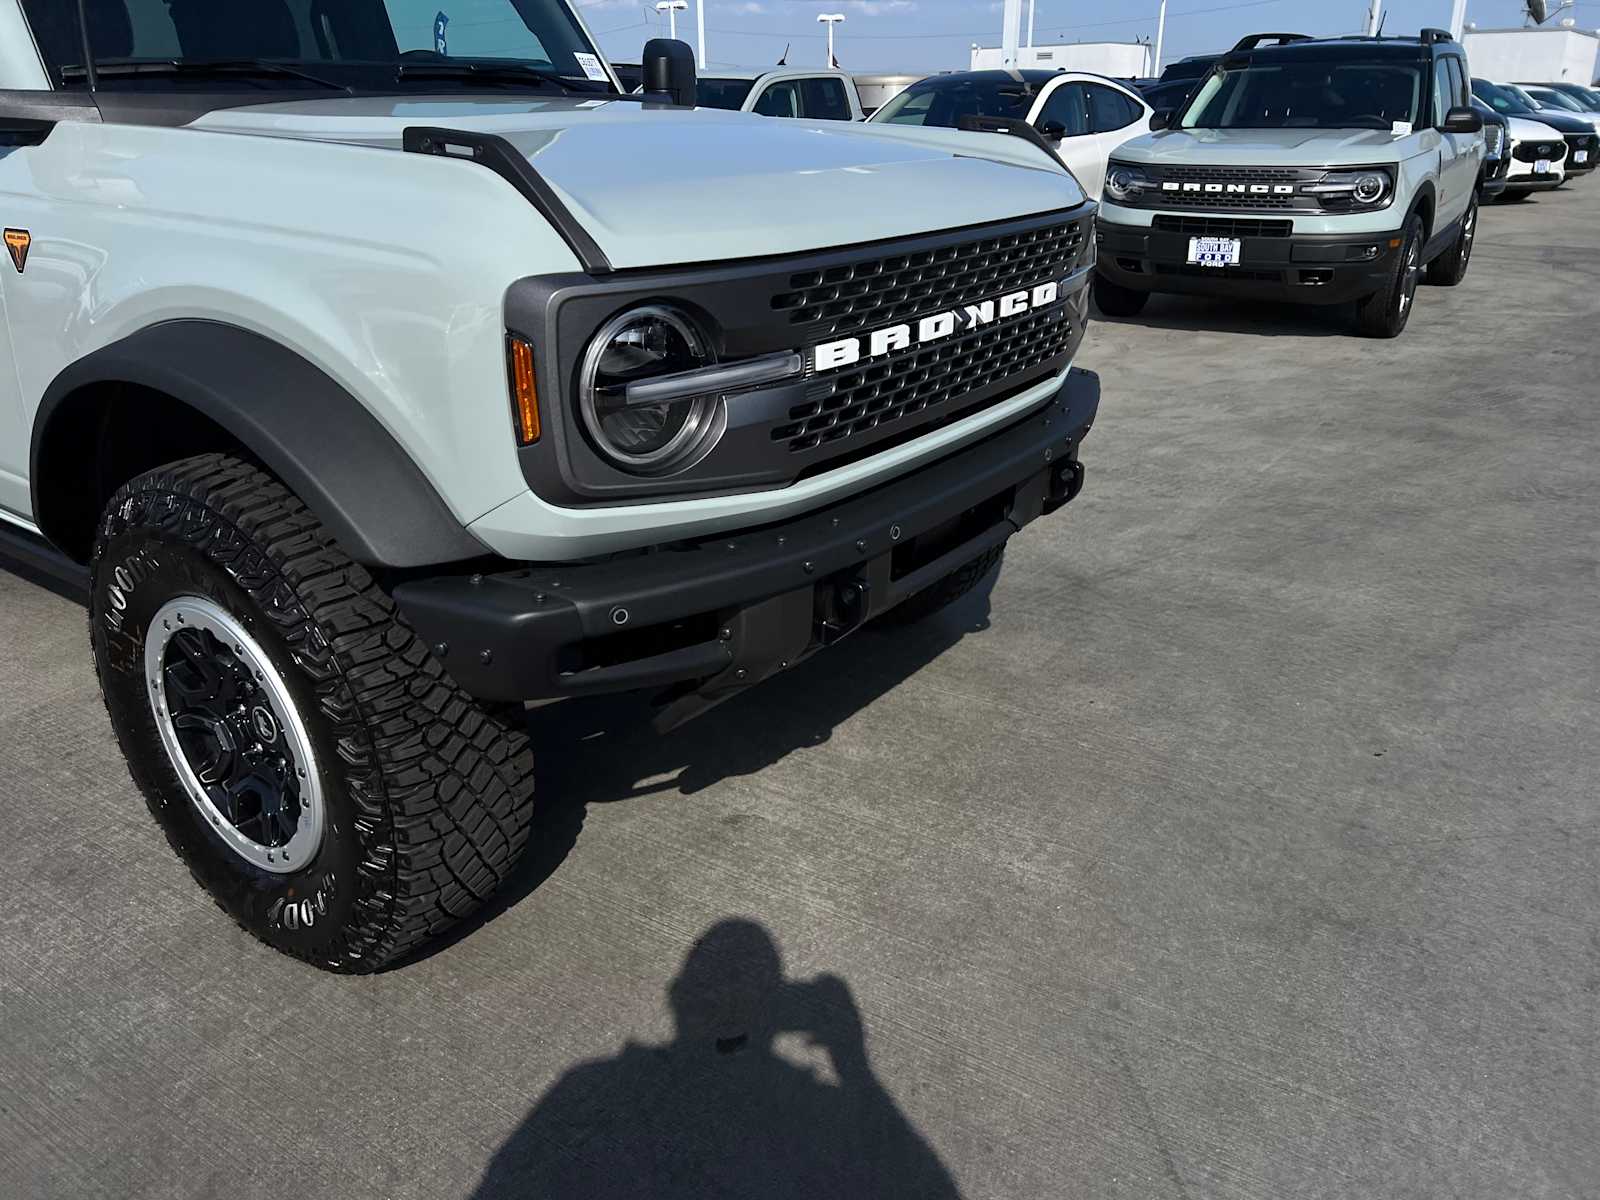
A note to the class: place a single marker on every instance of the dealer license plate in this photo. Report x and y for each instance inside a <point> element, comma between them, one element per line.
<point>1542,167</point>
<point>1215,252</point>
<point>1581,156</point>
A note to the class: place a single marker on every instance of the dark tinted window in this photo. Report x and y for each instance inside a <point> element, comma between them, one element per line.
<point>1110,110</point>
<point>824,100</point>
<point>1310,95</point>
<point>946,101</point>
<point>1458,84</point>
<point>1067,107</point>
<point>722,93</point>
<point>781,99</point>
<point>1188,69</point>
<point>1441,91</point>
<point>366,38</point>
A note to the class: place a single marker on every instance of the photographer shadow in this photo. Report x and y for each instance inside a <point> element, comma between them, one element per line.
<point>722,1110</point>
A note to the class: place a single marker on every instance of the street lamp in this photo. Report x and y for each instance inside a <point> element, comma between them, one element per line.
<point>672,8</point>
<point>830,20</point>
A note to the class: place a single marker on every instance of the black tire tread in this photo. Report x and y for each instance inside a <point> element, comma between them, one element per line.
<point>443,787</point>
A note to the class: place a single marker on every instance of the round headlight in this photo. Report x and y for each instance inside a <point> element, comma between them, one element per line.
<point>646,343</point>
<point>1121,183</point>
<point>1370,188</point>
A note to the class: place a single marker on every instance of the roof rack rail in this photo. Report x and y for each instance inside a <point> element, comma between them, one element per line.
<point>1255,39</point>
<point>1432,37</point>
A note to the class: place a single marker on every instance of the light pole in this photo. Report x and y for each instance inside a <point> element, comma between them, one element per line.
<point>1374,18</point>
<point>1031,4</point>
<point>1161,36</point>
<point>830,20</point>
<point>1458,19</point>
<point>700,23</point>
<point>672,8</point>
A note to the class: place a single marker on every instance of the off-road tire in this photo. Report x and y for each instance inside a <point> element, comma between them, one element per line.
<point>1450,268</point>
<point>944,593</point>
<point>1114,300</point>
<point>426,794</point>
<point>1387,312</point>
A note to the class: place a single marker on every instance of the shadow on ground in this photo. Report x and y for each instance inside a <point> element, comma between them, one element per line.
<point>1254,319</point>
<point>603,749</point>
<point>720,1110</point>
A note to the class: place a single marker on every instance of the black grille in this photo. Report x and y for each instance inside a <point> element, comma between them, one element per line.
<point>874,292</point>
<point>1534,151</point>
<point>1225,177</point>
<point>1587,142</point>
<point>1225,227</point>
<point>867,397</point>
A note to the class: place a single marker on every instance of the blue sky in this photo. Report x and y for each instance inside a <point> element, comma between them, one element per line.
<point>927,35</point>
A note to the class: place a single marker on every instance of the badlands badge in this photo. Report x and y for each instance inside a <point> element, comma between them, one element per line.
<point>18,241</point>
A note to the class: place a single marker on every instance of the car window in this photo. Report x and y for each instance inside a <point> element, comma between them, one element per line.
<point>710,92</point>
<point>1309,95</point>
<point>1110,110</point>
<point>1067,106</point>
<point>1458,83</point>
<point>1441,90</point>
<point>824,100</point>
<point>944,102</point>
<point>781,99</point>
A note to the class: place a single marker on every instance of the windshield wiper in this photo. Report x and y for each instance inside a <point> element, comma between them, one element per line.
<point>506,74</point>
<point>199,68</point>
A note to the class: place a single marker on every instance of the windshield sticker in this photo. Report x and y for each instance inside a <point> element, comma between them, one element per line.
<point>1401,129</point>
<point>591,67</point>
<point>441,22</point>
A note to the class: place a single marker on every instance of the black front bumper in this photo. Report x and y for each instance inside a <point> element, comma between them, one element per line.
<point>1297,268</point>
<point>725,613</point>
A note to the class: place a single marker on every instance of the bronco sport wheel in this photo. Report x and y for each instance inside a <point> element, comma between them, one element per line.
<point>314,766</point>
<point>947,591</point>
<point>1450,268</point>
<point>1114,300</point>
<point>1385,313</point>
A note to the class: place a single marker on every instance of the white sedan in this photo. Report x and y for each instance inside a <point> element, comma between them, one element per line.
<point>1084,117</point>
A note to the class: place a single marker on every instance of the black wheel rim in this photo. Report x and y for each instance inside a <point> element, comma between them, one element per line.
<point>233,735</point>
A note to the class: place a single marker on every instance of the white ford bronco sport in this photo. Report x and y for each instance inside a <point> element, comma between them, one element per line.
<point>1306,171</point>
<point>381,380</point>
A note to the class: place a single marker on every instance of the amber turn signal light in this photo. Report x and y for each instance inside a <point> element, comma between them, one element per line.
<point>524,392</point>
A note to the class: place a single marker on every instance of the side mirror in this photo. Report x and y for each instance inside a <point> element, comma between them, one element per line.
<point>1162,118</point>
<point>1054,130</point>
<point>1462,119</point>
<point>669,68</point>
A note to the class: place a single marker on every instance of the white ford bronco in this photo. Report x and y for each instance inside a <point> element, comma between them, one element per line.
<point>381,376</point>
<point>1302,171</point>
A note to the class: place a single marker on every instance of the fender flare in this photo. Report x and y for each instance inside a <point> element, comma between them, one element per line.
<point>304,427</point>
<point>1425,192</point>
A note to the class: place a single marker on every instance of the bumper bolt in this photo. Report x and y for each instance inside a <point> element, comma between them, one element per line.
<point>619,615</point>
<point>441,649</point>
<point>809,567</point>
<point>894,533</point>
<point>1049,454</point>
<point>477,581</point>
<point>725,635</point>
<point>861,546</point>
<point>740,673</point>
<point>486,657</point>
<point>540,597</point>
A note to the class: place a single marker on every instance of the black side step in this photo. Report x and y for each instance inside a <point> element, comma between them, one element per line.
<point>40,560</point>
<point>500,156</point>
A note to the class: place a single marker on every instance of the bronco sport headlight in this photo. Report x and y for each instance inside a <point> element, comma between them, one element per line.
<point>640,429</point>
<point>1126,183</point>
<point>1361,190</point>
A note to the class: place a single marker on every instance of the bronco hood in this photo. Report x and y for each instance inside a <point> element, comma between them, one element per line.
<point>1265,147</point>
<point>658,186</point>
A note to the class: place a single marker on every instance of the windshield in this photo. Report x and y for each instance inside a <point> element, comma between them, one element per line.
<point>1309,95</point>
<point>722,93</point>
<point>1501,99</point>
<point>944,102</point>
<point>353,43</point>
<point>1556,100</point>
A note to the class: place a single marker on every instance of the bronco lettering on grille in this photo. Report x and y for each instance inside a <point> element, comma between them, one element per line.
<point>829,356</point>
